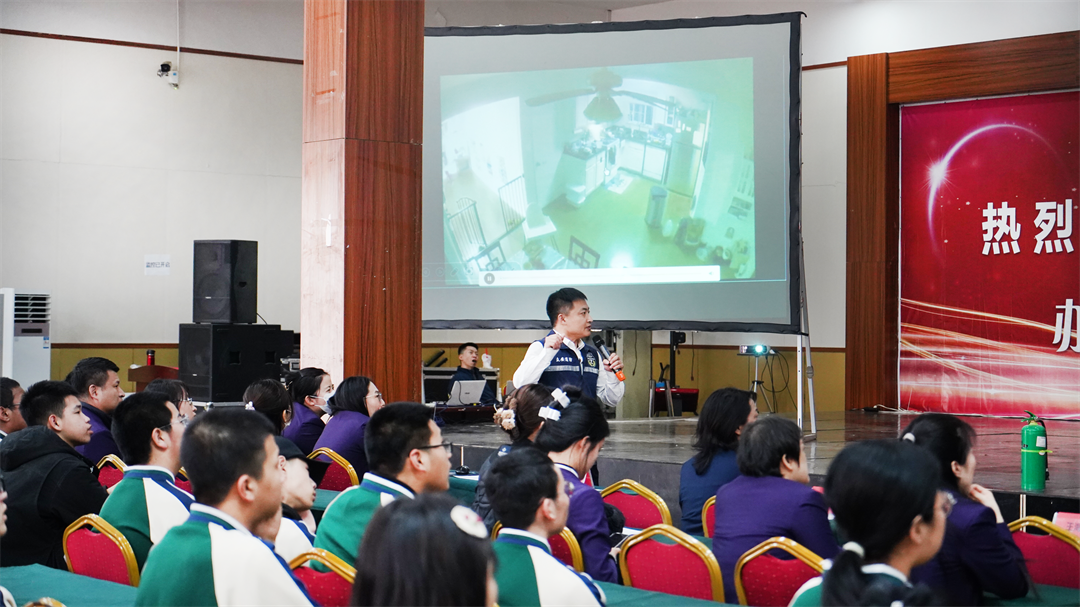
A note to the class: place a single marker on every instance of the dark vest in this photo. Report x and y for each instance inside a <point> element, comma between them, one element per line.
<point>565,369</point>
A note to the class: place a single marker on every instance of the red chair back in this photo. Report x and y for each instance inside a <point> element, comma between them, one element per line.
<point>328,589</point>
<point>340,475</point>
<point>708,517</point>
<point>772,582</point>
<point>185,485</point>
<point>94,548</point>
<point>109,476</point>
<point>1050,560</point>
<point>565,547</point>
<point>642,507</point>
<point>664,559</point>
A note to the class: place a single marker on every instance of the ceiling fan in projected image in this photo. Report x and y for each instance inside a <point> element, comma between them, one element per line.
<point>603,107</point>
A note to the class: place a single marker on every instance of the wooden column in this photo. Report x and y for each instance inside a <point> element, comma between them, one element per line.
<point>363,98</point>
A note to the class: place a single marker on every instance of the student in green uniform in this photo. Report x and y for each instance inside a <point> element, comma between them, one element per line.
<point>425,551</point>
<point>885,497</point>
<point>147,503</point>
<point>528,496</point>
<point>213,558</point>
<point>406,455</point>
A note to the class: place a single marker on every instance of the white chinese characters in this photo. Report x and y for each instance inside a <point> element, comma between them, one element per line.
<point>1063,328</point>
<point>999,223</point>
<point>1053,215</point>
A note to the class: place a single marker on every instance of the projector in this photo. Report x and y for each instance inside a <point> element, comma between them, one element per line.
<point>756,350</point>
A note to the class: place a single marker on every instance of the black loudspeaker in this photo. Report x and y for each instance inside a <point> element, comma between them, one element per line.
<point>226,284</point>
<point>218,362</point>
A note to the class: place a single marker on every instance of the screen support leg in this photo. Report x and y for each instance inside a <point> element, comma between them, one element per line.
<point>804,319</point>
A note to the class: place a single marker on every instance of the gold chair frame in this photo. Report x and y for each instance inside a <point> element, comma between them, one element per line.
<point>101,526</point>
<point>683,539</point>
<point>643,491</point>
<point>789,546</point>
<point>116,462</point>
<point>568,536</point>
<point>329,559</point>
<point>344,463</point>
<point>1042,524</point>
<point>709,502</point>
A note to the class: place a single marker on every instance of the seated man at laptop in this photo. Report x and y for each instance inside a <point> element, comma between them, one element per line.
<point>467,371</point>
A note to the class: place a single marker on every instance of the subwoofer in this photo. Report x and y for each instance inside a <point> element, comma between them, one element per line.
<point>219,361</point>
<point>226,282</point>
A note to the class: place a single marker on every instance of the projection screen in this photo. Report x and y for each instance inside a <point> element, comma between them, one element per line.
<point>653,165</point>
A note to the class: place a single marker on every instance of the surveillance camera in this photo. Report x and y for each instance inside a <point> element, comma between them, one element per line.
<point>164,69</point>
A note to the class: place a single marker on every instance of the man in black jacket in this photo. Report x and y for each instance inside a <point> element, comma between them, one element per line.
<point>49,484</point>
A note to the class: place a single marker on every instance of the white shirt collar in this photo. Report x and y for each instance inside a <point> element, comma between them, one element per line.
<point>385,482</point>
<point>887,570</point>
<point>154,469</point>
<point>197,507</point>
<point>523,533</point>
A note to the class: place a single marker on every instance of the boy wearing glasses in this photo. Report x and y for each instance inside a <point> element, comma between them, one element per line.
<point>406,455</point>
<point>147,503</point>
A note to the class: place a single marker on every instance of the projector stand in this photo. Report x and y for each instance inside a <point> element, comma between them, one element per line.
<point>804,319</point>
<point>758,384</point>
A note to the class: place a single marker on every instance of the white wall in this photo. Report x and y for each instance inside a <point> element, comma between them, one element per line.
<point>106,163</point>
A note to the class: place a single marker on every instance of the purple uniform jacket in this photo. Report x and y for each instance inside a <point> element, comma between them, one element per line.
<point>590,527</point>
<point>101,443</point>
<point>305,428</point>
<point>977,555</point>
<point>344,434</point>
<point>750,510</point>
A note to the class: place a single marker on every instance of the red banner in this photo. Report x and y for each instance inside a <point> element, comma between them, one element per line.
<point>990,266</point>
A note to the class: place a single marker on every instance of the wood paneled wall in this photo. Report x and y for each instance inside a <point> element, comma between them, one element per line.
<point>877,86</point>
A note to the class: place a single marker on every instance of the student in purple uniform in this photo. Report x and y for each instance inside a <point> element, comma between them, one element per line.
<point>356,400</point>
<point>771,498</point>
<point>978,554</point>
<point>572,436</point>
<point>269,397</point>
<point>97,383</point>
<point>310,388</point>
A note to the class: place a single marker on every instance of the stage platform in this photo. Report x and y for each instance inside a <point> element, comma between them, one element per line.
<point>651,452</point>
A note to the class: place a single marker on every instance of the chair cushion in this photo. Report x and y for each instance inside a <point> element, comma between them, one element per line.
<point>1049,560</point>
<point>772,582</point>
<point>659,565</point>
<point>95,555</point>
<point>328,589</point>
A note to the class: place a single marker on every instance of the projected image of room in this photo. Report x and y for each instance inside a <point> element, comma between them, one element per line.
<point>646,170</point>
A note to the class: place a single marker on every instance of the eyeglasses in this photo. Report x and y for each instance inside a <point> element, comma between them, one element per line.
<point>377,395</point>
<point>947,506</point>
<point>449,447</point>
<point>181,419</point>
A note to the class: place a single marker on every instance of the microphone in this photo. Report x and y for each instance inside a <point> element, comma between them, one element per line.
<point>599,343</point>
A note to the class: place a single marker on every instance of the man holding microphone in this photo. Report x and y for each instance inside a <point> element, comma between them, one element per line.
<point>565,357</point>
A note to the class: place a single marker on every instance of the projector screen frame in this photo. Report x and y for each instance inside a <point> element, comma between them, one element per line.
<point>794,160</point>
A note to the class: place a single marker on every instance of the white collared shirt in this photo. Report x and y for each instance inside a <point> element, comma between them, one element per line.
<point>609,390</point>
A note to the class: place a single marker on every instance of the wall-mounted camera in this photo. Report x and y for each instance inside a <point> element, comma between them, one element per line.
<point>166,71</point>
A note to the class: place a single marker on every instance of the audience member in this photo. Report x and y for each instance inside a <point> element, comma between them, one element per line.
<point>573,436</point>
<point>978,554</point>
<point>11,419</point>
<point>213,558</point>
<point>297,532</point>
<point>147,503</point>
<point>98,385</point>
<point>885,497</point>
<point>520,418</point>
<point>269,397</point>
<point>467,354</point>
<point>528,495</point>
<point>771,498</point>
<point>425,552</point>
<point>6,598</point>
<point>51,485</point>
<point>178,395</point>
<point>352,406</point>
<point>716,439</point>
<point>406,455</point>
<point>310,388</point>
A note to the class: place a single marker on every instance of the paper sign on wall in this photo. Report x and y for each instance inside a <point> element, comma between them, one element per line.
<point>157,265</point>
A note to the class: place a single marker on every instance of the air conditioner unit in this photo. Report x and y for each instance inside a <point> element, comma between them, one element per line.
<point>25,351</point>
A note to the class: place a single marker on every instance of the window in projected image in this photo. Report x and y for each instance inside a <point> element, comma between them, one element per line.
<point>626,174</point>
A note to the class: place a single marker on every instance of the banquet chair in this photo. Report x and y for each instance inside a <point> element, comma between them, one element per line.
<point>94,548</point>
<point>708,516</point>
<point>641,506</point>
<point>329,589</point>
<point>564,547</point>
<point>1053,558</point>
<point>340,475</point>
<point>110,470</point>
<point>764,580</point>
<point>665,559</point>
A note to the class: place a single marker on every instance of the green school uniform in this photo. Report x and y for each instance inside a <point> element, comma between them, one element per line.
<point>346,518</point>
<point>144,506</point>
<point>810,593</point>
<point>212,560</point>
<point>529,575</point>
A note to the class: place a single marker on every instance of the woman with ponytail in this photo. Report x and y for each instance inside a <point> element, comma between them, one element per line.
<point>572,435</point>
<point>888,507</point>
<point>520,419</point>
<point>310,388</point>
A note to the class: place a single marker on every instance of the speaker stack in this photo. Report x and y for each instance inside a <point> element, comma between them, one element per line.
<point>222,351</point>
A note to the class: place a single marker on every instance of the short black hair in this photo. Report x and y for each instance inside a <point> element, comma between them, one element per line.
<point>562,301</point>
<point>350,395</point>
<point>517,483</point>
<point>219,447</point>
<point>393,432</point>
<point>134,421</point>
<point>93,371</point>
<point>462,347</point>
<point>580,419</point>
<point>947,437</point>
<point>175,389</point>
<point>43,399</point>
<point>7,392</point>
<point>271,399</point>
<point>764,444</point>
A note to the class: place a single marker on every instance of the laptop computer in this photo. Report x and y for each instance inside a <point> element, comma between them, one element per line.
<point>466,392</point>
